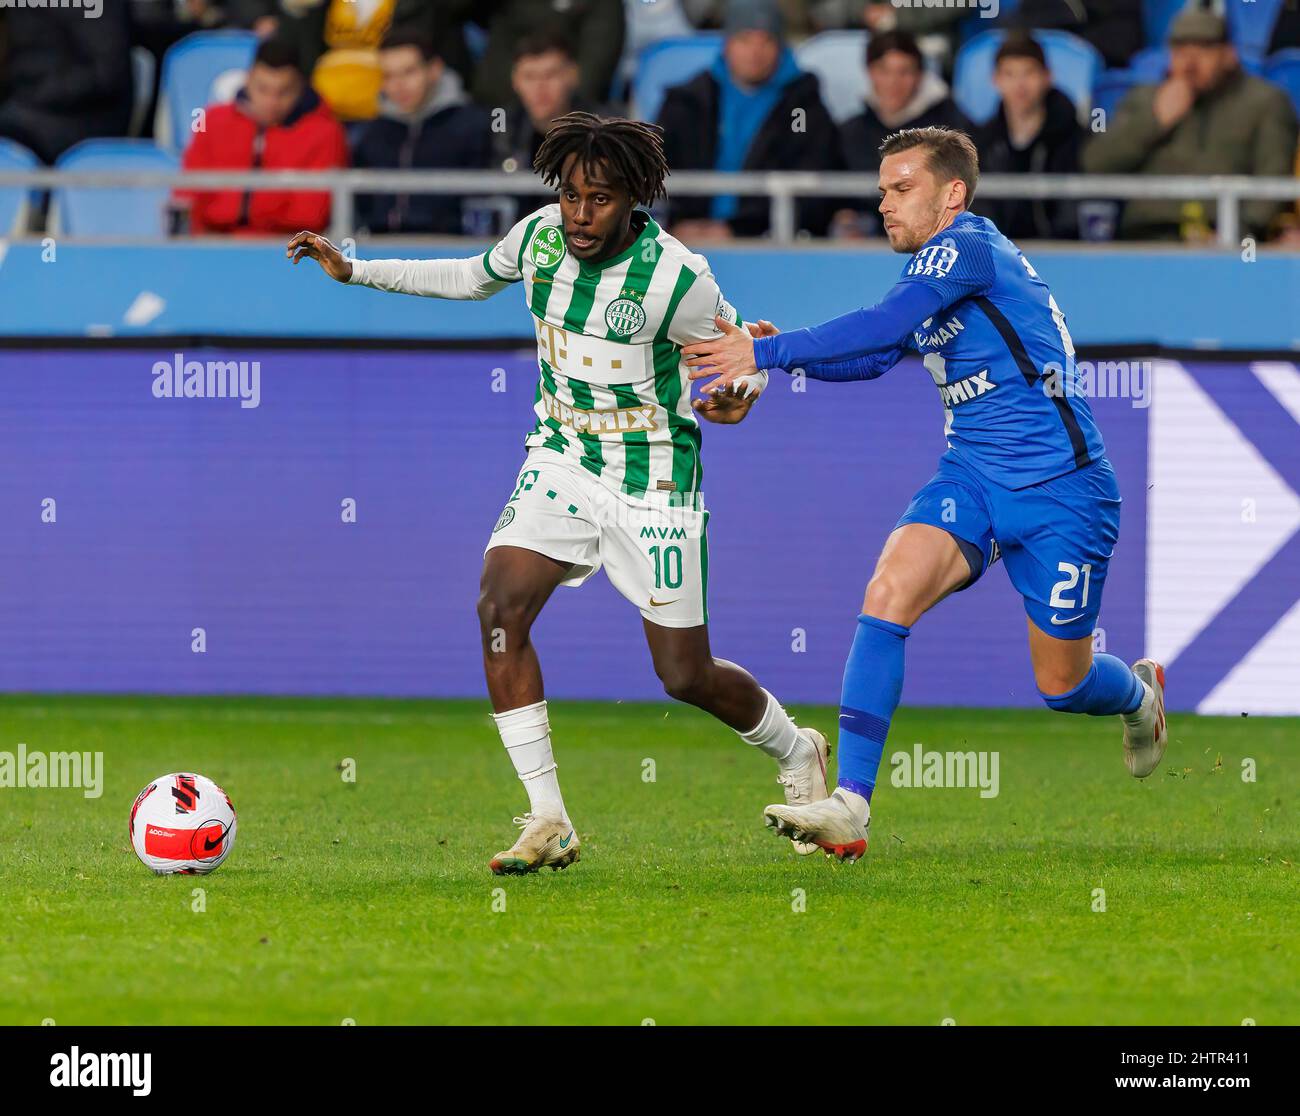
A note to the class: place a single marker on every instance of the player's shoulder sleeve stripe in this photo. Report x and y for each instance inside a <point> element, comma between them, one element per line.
<point>487,266</point>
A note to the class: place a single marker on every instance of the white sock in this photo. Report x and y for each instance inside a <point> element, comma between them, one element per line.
<point>854,802</point>
<point>777,735</point>
<point>526,733</point>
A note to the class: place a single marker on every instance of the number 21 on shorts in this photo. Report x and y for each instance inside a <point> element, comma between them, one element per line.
<point>1066,584</point>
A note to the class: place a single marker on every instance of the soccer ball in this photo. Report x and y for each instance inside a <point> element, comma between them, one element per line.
<point>182,824</point>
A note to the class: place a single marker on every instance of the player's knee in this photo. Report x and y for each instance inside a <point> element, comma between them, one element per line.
<point>684,682</point>
<point>889,598</point>
<point>501,614</point>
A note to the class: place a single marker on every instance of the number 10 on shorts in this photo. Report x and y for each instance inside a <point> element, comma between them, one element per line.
<point>668,566</point>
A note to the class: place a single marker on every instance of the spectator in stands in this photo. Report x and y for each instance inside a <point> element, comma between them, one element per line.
<point>338,43</point>
<point>901,94</point>
<point>595,26</point>
<point>277,122</point>
<point>545,80</point>
<point>424,121</point>
<point>1207,117</point>
<point>754,109</point>
<point>63,78</point>
<point>1035,131</point>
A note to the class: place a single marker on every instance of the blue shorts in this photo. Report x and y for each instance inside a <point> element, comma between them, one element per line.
<point>1056,537</point>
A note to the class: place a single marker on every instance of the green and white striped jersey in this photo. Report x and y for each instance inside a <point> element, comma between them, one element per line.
<point>613,393</point>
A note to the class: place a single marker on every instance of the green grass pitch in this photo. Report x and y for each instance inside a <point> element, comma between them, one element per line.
<point>372,901</point>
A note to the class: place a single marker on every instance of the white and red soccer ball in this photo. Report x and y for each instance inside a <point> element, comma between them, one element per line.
<point>184,824</point>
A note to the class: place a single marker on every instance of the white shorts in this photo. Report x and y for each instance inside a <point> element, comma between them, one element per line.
<point>654,550</point>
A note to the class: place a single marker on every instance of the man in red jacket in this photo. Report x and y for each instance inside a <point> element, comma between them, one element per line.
<point>277,122</point>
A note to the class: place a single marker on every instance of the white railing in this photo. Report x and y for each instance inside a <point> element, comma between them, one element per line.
<point>782,188</point>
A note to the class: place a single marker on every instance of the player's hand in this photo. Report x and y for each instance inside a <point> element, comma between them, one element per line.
<point>314,246</point>
<point>728,357</point>
<point>727,406</point>
<point>1173,100</point>
<point>761,328</point>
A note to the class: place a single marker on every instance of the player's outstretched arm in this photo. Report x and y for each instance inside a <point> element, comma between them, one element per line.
<point>456,279</point>
<point>882,328</point>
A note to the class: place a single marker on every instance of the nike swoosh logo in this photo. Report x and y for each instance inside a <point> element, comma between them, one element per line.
<point>565,843</point>
<point>209,844</point>
<point>660,604</point>
<point>1068,619</point>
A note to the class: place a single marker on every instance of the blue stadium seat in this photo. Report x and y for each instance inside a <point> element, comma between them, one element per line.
<point>111,212</point>
<point>1150,64</point>
<point>839,59</point>
<point>1075,65</point>
<point>1283,68</point>
<point>1251,23</point>
<point>1111,88</point>
<point>1157,15</point>
<point>973,24</point>
<point>144,71</point>
<point>15,202</point>
<point>667,63</point>
<point>202,68</point>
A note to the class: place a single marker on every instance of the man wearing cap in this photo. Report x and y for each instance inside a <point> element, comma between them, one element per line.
<point>1207,117</point>
<point>753,109</point>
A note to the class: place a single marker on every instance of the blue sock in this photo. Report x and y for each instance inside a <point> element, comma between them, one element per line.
<point>1110,686</point>
<point>873,683</point>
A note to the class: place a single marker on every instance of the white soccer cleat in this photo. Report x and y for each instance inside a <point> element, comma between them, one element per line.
<point>1147,734</point>
<point>547,841</point>
<point>805,782</point>
<point>830,824</point>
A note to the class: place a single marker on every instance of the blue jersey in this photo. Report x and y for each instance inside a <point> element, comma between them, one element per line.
<point>994,341</point>
<point>1002,359</point>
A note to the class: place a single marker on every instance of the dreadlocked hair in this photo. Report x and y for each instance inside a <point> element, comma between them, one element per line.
<point>630,151</point>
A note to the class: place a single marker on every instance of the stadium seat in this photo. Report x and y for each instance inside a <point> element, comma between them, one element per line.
<point>1150,64</point>
<point>201,69</point>
<point>144,70</point>
<point>1250,24</point>
<point>839,59</point>
<point>1075,65</point>
<point>95,212</point>
<point>15,202</point>
<point>1283,68</point>
<point>667,63</point>
<point>976,23</point>
<point>1111,88</point>
<point>1157,15</point>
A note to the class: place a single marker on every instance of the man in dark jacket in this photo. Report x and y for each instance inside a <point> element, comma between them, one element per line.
<point>1207,117</point>
<point>595,26</point>
<point>754,109</point>
<point>64,77</point>
<point>425,121</point>
<point>901,93</point>
<point>1035,131</point>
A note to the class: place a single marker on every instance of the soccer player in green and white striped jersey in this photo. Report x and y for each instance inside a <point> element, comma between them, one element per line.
<point>612,475</point>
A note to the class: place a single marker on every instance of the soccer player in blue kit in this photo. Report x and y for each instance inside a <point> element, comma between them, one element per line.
<point>1025,477</point>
